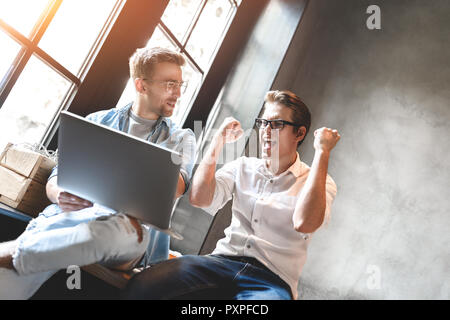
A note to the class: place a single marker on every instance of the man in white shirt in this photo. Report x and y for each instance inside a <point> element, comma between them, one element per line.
<point>278,202</point>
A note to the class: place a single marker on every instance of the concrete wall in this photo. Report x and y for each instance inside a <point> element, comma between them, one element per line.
<point>388,93</point>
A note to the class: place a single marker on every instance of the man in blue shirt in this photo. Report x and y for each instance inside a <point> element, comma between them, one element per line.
<point>74,231</point>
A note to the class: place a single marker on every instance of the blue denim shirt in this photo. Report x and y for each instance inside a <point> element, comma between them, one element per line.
<point>165,133</point>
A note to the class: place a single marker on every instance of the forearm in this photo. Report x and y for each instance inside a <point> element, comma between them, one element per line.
<point>204,181</point>
<point>310,209</point>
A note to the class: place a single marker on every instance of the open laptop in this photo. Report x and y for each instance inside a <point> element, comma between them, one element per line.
<point>117,170</point>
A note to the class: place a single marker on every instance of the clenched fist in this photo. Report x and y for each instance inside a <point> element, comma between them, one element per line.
<point>230,130</point>
<point>325,139</point>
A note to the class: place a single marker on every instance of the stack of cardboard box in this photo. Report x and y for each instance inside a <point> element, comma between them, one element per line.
<point>23,176</point>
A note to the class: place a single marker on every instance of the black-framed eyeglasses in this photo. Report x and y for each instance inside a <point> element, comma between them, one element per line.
<point>171,84</point>
<point>276,124</point>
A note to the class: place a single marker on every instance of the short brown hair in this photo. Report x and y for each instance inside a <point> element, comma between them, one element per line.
<point>300,112</point>
<point>143,60</point>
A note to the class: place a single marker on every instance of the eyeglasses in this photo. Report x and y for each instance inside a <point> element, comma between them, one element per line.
<point>277,124</point>
<point>171,84</point>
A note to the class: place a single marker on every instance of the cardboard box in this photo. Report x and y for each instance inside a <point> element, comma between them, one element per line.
<point>27,163</point>
<point>23,176</point>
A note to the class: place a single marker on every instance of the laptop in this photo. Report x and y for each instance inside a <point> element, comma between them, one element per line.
<point>118,171</point>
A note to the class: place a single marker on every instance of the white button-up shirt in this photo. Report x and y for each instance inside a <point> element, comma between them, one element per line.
<point>263,206</point>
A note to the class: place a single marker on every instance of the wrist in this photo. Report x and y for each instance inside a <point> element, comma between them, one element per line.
<point>217,142</point>
<point>322,152</point>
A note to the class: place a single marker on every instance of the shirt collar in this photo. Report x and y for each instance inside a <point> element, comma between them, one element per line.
<point>295,168</point>
<point>126,110</point>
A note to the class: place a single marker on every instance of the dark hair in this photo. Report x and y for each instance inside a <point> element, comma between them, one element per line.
<point>300,112</point>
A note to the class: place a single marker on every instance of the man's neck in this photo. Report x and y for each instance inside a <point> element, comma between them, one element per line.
<point>141,110</point>
<point>282,164</point>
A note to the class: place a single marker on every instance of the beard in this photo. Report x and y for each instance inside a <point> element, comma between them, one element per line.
<point>167,107</point>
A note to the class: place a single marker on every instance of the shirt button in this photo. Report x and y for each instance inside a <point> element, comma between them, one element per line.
<point>256,220</point>
<point>249,246</point>
<point>271,180</point>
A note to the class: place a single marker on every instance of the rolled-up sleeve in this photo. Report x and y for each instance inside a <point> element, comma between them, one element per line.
<point>53,173</point>
<point>225,184</point>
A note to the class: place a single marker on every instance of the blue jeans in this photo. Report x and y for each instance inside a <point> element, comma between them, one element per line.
<point>208,277</point>
<point>55,240</point>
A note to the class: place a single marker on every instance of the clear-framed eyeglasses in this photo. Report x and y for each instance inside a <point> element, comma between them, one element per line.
<point>171,85</point>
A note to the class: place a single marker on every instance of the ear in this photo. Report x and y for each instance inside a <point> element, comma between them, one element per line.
<point>139,85</point>
<point>301,133</point>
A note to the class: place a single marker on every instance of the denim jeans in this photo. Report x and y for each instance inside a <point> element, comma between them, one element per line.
<point>208,277</point>
<point>56,241</point>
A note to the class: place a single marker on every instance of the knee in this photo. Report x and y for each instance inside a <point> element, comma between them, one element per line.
<point>114,236</point>
<point>116,231</point>
<point>158,281</point>
<point>148,283</point>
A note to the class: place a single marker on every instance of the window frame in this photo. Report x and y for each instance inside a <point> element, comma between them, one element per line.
<point>94,93</point>
<point>181,47</point>
<point>30,46</point>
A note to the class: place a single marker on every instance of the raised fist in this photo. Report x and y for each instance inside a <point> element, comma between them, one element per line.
<point>230,130</point>
<point>325,139</point>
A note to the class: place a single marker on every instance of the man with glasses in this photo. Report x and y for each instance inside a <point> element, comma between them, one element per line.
<point>73,231</point>
<point>278,203</point>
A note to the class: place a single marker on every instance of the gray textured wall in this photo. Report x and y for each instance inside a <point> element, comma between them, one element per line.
<point>388,93</point>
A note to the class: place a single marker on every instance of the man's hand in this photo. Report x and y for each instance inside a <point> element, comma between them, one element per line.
<point>230,130</point>
<point>69,202</point>
<point>65,200</point>
<point>325,139</point>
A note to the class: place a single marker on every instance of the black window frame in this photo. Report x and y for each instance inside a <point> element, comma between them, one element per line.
<point>30,46</point>
<point>99,86</point>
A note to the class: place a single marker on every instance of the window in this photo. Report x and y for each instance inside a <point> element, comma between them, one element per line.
<point>195,28</point>
<point>45,50</point>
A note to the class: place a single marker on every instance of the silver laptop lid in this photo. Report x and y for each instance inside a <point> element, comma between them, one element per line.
<point>119,171</point>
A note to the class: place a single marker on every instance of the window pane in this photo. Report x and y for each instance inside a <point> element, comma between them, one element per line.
<point>159,39</point>
<point>178,16</point>
<point>209,31</point>
<point>9,50</point>
<point>73,30</point>
<point>32,103</point>
<point>127,95</point>
<point>22,15</point>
